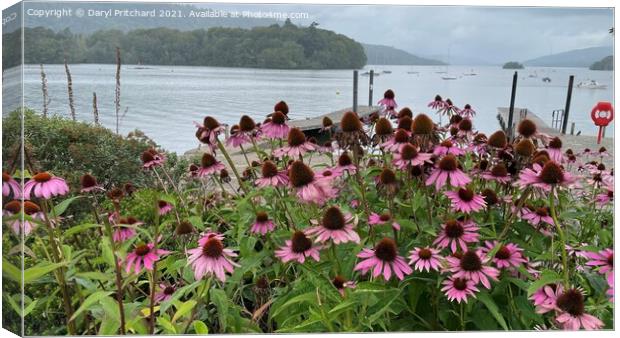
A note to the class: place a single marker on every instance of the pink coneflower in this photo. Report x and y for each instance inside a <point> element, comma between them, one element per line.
<point>336,226</point>
<point>384,218</point>
<point>447,171</point>
<point>44,185</point>
<point>262,224</point>
<point>467,111</point>
<point>237,138</point>
<point>472,265</point>
<point>610,283</point>
<point>383,259</point>
<point>400,138</point>
<point>544,177</point>
<point>210,257</point>
<point>466,201</point>
<point>151,159</point>
<point>209,165</point>
<point>165,292</point>
<point>298,248</point>
<point>246,129</point>
<point>297,145</point>
<point>341,284</point>
<point>327,174</point>
<point>572,314</point>
<point>448,147</point>
<point>209,131</point>
<point>124,227</point>
<point>448,108</point>
<point>498,173</point>
<point>88,184</point>
<point>276,127</point>
<point>603,259</point>
<point>388,102</point>
<point>545,298</point>
<point>30,209</point>
<point>554,149</point>
<point>10,186</point>
<point>309,188</point>
<point>456,233</point>
<point>437,103</point>
<point>164,207</point>
<point>607,196</point>
<point>143,254</point>
<point>271,177</point>
<point>602,152</point>
<point>536,215</point>
<point>459,289</point>
<point>425,259</point>
<point>506,256</point>
<point>345,164</point>
<point>409,156</point>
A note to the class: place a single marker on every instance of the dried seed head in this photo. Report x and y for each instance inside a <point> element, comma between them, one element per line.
<point>184,228</point>
<point>498,139</point>
<point>327,122</point>
<point>386,250</point>
<point>422,125</point>
<point>525,148</point>
<point>246,124</point>
<point>339,281</point>
<point>115,194</point>
<point>417,171</point>
<point>383,127</point>
<point>300,174</point>
<point>344,160</point>
<point>527,128</point>
<point>387,177</point>
<point>88,181</point>
<point>350,122</point>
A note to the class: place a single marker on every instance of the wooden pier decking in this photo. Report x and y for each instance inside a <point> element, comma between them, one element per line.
<point>316,122</point>
<point>574,142</point>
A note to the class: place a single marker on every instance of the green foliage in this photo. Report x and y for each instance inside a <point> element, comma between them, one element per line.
<point>512,65</point>
<point>281,47</point>
<point>607,63</point>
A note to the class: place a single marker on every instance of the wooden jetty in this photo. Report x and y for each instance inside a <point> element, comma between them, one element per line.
<point>315,123</point>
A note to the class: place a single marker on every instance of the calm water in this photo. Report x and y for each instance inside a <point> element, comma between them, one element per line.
<point>164,100</point>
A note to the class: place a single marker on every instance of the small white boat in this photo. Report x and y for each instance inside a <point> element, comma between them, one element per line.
<point>448,77</point>
<point>592,84</point>
<point>471,73</point>
<point>387,72</point>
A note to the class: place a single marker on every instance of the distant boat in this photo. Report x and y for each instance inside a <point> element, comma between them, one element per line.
<point>448,77</point>
<point>412,72</point>
<point>387,72</point>
<point>592,84</point>
<point>546,79</point>
<point>368,74</point>
<point>441,72</point>
<point>533,75</point>
<point>471,73</point>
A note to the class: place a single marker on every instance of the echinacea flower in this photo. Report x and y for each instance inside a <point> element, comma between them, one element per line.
<point>209,165</point>
<point>425,259</point>
<point>545,177</point>
<point>466,201</point>
<point>410,156</point>
<point>467,111</point>
<point>345,164</point>
<point>448,147</point>
<point>351,134</point>
<point>437,103</point>
<point>545,298</point>
<point>384,260</point>
<point>506,256</point>
<point>89,184</point>
<point>455,233</point>
<point>459,289</point>
<point>387,102</point>
<point>395,143</point>
<point>237,138</point>
<point>245,131</point>
<point>383,130</point>
<point>165,292</point>
<point>473,265</point>
<point>498,173</point>
<point>607,196</point>
<point>447,171</point>
<point>275,127</point>
<point>124,227</point>
<point>572,315</point>
<point>271,177</point>
<point>336,226</point>
<point>151,158</point>
<point>604,259</point>
<point>610,283</point>
<point>10,186</point>
<point>309,188</point>
<point>341,284</point>
<point>536,215</point>
<point>44,185</point>
<point>209,131</point>
<point>27,224</point>
<point>262,224</point>
<point>210,257</point>
<point>554,149</point>
<point>143,254</point>
<point>384,218</point>
<point>298,248</point>
<point>163,207</point>
<point>297,145</point>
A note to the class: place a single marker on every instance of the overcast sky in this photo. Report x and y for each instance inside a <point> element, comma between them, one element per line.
<point>461,32</point>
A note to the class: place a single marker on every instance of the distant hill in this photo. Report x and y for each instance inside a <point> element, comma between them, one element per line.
<point>512,65</point>
<point>572,58</point>
<point>386,55</point>
<point>607,63</point>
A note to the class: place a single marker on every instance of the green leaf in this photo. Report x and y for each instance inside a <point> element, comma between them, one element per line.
<point>79,228</point>
<point>309,297</point>
<point>184,309</point>
<point>91,300</point>
<point>11,271</point>
<point>40,270</point>
<point>345,305</point>
<point>490,304</point>
<point>220,300</point>
<point>61,207</point>
<point>166,325</point>
<point>30,307</point>
<point>200,327</point>
<point>546,277</point>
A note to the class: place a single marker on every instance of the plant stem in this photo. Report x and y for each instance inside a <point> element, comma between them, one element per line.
<point>232,165</point>
<point>561,235</point>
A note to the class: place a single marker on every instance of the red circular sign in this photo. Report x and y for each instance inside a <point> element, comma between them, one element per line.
<point>602,114</point>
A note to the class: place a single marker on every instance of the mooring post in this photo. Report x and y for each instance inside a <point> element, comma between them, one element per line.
<point>568,97</point>
<point>572,128</point>
<point>511,110</point>
<point>370,85</point>
<point>355,91</point>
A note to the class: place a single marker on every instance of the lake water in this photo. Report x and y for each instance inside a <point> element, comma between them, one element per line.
<point>163,101</point>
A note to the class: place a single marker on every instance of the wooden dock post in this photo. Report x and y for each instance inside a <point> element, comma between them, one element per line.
<point>512,105</point>
<point>572,128</point>
<point>370,86</point>
<point>568,97</point>
<point>355,72</point>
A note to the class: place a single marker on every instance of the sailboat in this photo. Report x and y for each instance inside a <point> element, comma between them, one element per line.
<point>471,73</point>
